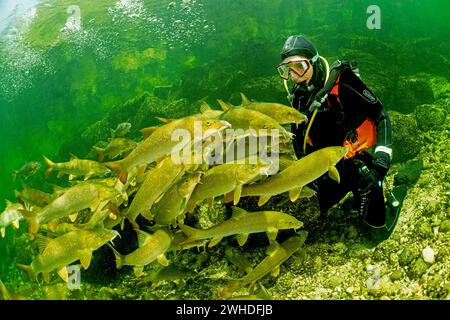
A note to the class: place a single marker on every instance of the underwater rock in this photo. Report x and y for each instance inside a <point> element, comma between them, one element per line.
<point>382,287</point>
<point>444,226</point>
<point>406,141</point>
<point>409,173</point>
<point>397,275</point>
<point>410,93</point>
<point>106,293</point>
<point>430,116</point>
<point>417,269</point>
<point>334,281</point>
<point>428,255</point>
<point>425,230</point>
<point>352,232</point>
<point>435,288</point>
<point>407,255</point>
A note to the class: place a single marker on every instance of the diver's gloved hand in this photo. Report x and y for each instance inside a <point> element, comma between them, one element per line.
<point>370,178</point>
<point>381,162</point>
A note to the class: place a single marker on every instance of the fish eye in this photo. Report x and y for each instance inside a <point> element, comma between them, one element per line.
<point>208,123</point>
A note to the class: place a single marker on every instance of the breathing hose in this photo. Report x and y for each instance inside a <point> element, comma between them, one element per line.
<point>315,111</point>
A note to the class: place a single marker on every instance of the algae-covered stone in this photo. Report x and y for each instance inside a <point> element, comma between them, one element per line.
<point>106,293</point>
<point>393,258</point>
<point>340,247</point>
<point>444,226</point>
<point>334,281</point>
<point>407,255</point>
<point>435,288</point>
<point>318,263</point>
<point>417,269</point>
<point>409,173</point>
<point>406,141</point>
<point>412,92</point>
<point>352,233</point>
<point>430,116</point>
<point>425,230</point>
<point>397,275</point>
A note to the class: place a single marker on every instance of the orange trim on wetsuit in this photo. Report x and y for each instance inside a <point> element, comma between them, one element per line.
<point>366,138</point>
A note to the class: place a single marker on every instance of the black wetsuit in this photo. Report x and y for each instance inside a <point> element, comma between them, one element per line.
<point>335,121</point>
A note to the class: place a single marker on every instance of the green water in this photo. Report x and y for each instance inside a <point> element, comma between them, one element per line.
<point>55,83</point>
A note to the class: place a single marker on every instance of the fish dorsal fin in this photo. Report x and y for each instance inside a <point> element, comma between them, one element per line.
<point>142,237</point>
<point>245,100</point>
<point>42,242</point>
<point>224,105</point>
<point>238,212</point>
<point>205,107</point>
<point>73,157</point>
<point>164,120</point>
<point>147,132</point>
<point>273,246</point>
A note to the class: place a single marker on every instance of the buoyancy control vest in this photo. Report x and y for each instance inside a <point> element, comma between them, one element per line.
<point>356,139</point>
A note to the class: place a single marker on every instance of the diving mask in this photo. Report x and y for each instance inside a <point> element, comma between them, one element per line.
<point>296,65</point>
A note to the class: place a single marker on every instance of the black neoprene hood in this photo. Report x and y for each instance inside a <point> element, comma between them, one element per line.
<point>298,45</point>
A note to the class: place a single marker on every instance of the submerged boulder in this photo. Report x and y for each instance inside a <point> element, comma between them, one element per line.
<point>409,173</point>
<point>412,92</point>
<point>406,141</point>
<point>430,116</point>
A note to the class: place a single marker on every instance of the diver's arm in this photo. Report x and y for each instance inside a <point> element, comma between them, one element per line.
<point>384,132</point>
<point>383,150</point>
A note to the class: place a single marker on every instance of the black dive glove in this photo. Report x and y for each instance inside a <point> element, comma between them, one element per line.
<point>381,162</point>
<point>372,177</point>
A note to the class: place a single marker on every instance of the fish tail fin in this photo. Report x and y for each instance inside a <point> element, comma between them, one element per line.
<point>117,167</point>
<point>28,269</point>
<point>119,257</point>
<point>50,165</point>
<point>101,153</point>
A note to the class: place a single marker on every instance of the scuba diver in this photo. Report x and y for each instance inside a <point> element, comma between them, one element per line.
<point>341,110</point>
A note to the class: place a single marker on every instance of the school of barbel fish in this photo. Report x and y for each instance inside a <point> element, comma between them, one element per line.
<point>144,179</point>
